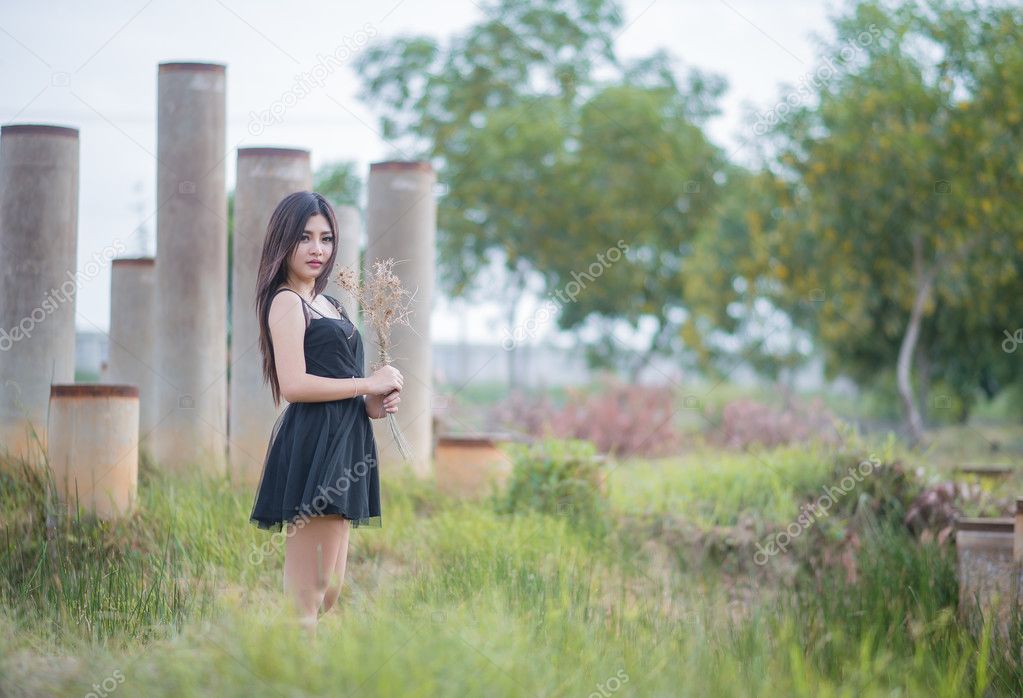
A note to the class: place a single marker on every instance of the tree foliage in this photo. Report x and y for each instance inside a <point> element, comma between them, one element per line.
<point>553,151</point>
<point>902,182</point>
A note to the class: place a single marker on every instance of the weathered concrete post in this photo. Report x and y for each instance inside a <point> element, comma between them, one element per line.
<point>132,295</point>
<point>401,222</point>
<point>989,579</point>
<point>265,176</point>
<point>94,455</point>
<point>191,269</point>
<point>1017,533</point>
<point>38,256</point>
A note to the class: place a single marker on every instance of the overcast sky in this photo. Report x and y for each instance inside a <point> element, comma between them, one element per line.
<point>93,66</point>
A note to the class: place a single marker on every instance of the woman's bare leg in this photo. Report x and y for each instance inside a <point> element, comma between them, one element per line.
<point>337,580</point>
<point>310,554</point>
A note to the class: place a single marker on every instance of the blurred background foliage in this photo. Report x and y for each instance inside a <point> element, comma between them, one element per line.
<point>875,223</point>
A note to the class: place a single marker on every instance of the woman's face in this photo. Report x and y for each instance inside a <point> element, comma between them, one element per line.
<point>316,245</point>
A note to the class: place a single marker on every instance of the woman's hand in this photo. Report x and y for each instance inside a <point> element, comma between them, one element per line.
<point>384,380</point>
<point>379,406</point>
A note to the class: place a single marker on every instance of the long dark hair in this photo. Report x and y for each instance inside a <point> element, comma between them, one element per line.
<point>283,233</point>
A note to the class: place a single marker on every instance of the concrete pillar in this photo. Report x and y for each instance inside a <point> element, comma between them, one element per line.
<point>94,455</point>
<point>401,222</point>
<point>130,356</point>
<point>191,269</point>
<point>38,261</point>
<point>349,223</point>
<point>265,176</point>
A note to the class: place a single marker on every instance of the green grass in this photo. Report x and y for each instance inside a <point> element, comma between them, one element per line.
<point>452,598</point>
<point>712,488</point>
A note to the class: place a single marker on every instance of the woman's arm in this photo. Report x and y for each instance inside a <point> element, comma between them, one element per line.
<point>287,331</point>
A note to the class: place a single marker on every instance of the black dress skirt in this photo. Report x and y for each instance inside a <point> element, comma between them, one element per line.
<point>321,458</point>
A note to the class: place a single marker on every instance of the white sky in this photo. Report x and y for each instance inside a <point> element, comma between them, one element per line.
<point>109,52</point>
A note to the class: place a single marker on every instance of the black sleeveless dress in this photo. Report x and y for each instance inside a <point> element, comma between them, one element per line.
<point>322,459</point>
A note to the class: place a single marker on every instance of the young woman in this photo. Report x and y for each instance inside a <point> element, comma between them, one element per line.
<point>320,473</point>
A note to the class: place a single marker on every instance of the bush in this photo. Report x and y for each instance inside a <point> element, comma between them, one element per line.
<point>618,418</point>
<point>745,423</point>
<point>558,478</point>
<point>521,413</point>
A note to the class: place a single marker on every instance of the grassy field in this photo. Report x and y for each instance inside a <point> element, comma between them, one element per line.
<point>460,598</point>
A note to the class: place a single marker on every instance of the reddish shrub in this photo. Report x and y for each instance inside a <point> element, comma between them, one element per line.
<point>934,512</point>
<point>746,422</point>
<point>620,419</point>
<point>522,414</point>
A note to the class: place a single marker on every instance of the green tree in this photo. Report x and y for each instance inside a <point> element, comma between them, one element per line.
<point>546,166</point>
<point>339,183</point>
<point>903,180</point>
<point>733,286</point>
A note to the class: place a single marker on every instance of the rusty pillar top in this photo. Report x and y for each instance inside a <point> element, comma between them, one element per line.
<point>990,525</point>
<point>96,390</point>
<point>415,165</point>
<point>40,129</point>
<point>209,67</point>
<point>256,151</point>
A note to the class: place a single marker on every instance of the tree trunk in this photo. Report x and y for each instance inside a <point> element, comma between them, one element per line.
<point>904,367</point>
<point>923,362</point>
<point>964,416</point>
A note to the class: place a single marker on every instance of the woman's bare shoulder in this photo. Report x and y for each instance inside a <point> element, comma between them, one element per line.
<point>284,304</point>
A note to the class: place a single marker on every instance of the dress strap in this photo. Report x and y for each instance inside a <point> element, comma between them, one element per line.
<point>333,300</point>
<point>305,304</point>
<point>337,304</point>
<point>341,311</point>
<point>285,288</point>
